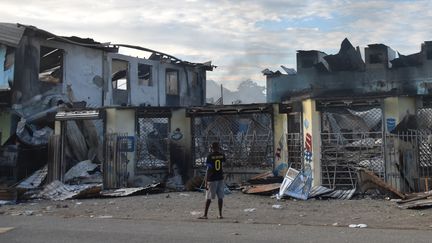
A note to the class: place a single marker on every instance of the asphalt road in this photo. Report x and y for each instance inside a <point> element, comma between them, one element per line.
<point>55,229</point>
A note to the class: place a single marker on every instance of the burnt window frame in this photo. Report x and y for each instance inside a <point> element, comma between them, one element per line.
<point>167,90</point>
<point>44,53</point>
<point>141,81</point>
<point>126,76</point>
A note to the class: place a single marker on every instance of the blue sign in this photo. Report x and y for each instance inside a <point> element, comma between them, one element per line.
<point>391,124</point>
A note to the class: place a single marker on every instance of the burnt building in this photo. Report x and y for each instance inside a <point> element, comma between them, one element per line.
<point>42,73</point>
<point>351,112</point>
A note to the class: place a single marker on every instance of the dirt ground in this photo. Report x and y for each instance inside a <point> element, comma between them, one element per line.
<point>238,208</point>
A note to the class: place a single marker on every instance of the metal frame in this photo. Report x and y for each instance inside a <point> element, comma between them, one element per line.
<point>343,151</point>
<point>246,138</point>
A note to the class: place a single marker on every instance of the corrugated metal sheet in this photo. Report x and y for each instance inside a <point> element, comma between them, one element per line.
<point>10,34</point>
<point>58,191</point>
<point>35,180</point>
<point>324,192</point>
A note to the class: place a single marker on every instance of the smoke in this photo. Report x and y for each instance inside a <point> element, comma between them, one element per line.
<point>247,92</point>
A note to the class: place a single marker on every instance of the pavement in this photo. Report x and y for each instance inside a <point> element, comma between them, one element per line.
<point>47,229</point>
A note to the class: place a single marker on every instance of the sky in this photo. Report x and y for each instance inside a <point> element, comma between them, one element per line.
<point>240,37</point>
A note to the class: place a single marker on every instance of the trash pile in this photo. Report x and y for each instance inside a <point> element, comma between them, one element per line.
<point>298,185</point>
<point>84,180</point>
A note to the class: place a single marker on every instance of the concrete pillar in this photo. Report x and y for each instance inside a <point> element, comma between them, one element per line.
<point>400,154</point>
<point>123,121</point>
<point>280,129</point>
<point>312,139</point>
<point>180,142</point>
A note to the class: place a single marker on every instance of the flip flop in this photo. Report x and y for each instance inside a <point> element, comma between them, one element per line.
<point>220,217</point>
<point>203,217</point>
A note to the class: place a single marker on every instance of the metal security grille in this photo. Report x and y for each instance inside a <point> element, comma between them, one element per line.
<point>295,150</point>
<point>409,153</point>
<point>152,143</point>
<point>424,120</point>
<point>54,159</point>
<point>246,139</point>
<point>295,141</point>
<point>115,167</point>
<point>350,138</point>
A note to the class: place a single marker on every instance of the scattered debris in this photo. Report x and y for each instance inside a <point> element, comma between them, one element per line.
<point>5,229</point>
<point>335,194</point>
<point>368,179</point>
<point>277,206</point>
<point>265,189</point>
<point>317,191</point>
<point>290,175</point>
<point>417,201</point>
<point>35,180</point>
<point>5,202</point>
<point>358,226</point>
<point>195,213</point>
<point>80,170</point>
<point>265,178</point>
<point>8,194</point>
<point>57,191</point>
<point>105,217</point>
<point>123,192</point>
<point>296,184</point>
<point>249,210</point>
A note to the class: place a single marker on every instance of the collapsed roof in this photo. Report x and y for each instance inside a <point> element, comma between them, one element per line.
<point>11,35</point>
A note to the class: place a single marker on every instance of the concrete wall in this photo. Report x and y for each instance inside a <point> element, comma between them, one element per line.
<point>156,95</point>
<point>82,71</point>
<point>123,121</point>
<point>280,129</point>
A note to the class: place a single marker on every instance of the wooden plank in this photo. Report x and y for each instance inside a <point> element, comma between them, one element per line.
<point>262,189</point>
<point>417,204</point>
<point>371,177</point>
<point>417,196</point>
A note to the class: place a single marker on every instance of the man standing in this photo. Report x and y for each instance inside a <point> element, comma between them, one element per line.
<point>214,179</point>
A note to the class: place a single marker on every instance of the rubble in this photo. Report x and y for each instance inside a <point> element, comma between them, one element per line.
<point>358,226</point>
<point>367,180</point>
<point>131,191</point>
<point>80,171</point>
<point>35,180</point>
<point>264,189</point>
<point>265,178</point>
<point>416,201</point>
<point>57,191</point>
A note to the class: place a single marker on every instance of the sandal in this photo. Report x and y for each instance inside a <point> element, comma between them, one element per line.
<point>203,217</point>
